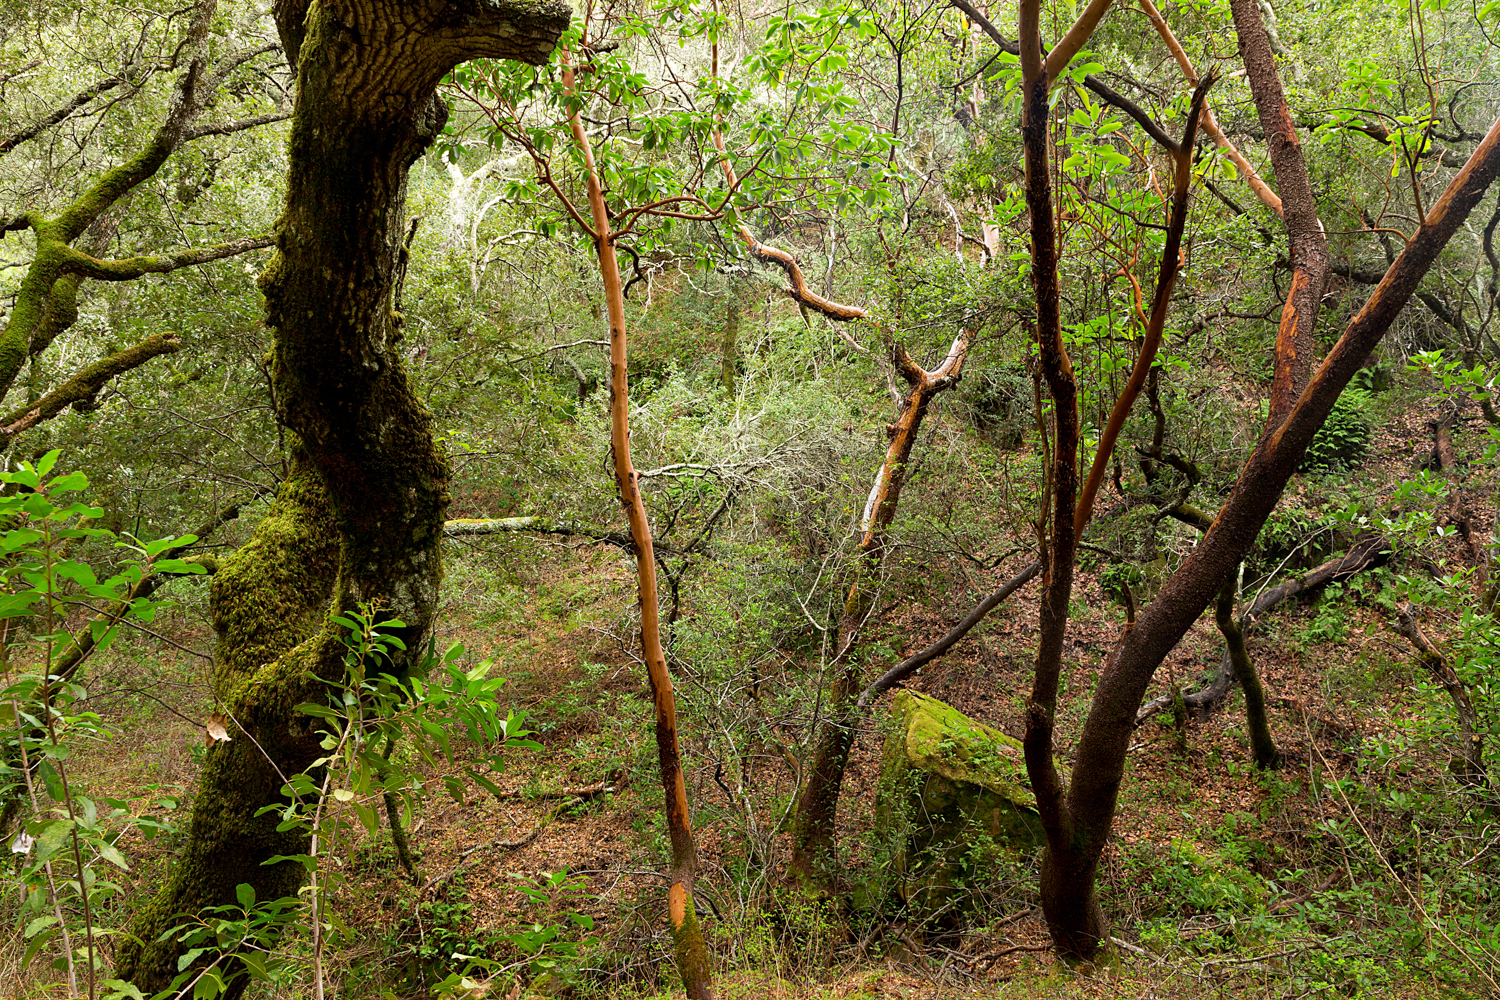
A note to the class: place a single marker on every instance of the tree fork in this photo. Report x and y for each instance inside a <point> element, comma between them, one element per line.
<point>817,807</point>
<point>360,524</point>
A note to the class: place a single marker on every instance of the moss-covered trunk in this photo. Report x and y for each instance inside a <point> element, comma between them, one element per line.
<point>360,520</point>
<point>268,603</point>
<point>1261,742</point>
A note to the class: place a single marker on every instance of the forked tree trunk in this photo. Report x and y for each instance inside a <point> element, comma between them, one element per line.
<point>359,521</point>
<point>817,807</point>
<point>1100,756</point>
<point>693,962</point>
<point>1078,818</point>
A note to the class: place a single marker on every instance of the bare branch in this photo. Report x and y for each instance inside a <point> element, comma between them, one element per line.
<point>913,663</point>
<point>227,128</point>
<point>1210,123</point>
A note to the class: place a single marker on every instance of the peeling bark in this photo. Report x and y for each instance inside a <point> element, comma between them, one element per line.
<point>1295,345</point>
<point>817,807</point>
<point>691,952</point>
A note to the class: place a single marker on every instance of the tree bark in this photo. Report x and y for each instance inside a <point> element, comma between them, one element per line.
<point>1295,344</point>
<point>359,522</point>
<point>693,962</point>
<point>1363,555</point>
<point>817,807</point>
<point>1100,761</point>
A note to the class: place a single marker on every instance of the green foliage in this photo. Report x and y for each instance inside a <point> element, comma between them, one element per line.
<point>69,839</point>
<point>1341,442</point>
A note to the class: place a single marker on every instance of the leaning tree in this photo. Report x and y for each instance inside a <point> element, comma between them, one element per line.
<point>1078,814</point>
<point>358,521</point>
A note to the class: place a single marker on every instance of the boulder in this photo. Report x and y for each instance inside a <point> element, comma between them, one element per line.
<point>952,793</point>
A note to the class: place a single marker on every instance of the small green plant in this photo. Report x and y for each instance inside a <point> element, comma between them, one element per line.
<point>1344,437</point>
<point>68,837</point>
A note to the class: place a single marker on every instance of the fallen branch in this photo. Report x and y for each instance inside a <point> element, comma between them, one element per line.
<point>1364,555</point>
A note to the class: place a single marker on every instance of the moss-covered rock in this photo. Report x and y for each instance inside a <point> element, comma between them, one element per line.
<point>953,792</point>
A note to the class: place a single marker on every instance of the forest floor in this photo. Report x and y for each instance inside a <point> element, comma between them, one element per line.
<point>1221,880</point>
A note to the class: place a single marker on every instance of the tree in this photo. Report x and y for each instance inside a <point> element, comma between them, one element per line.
<point>358,521</point>
<point>67,243</point>
<point>1078,816</point>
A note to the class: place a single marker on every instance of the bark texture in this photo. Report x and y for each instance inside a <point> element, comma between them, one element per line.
<point>1100,760</point>
<point>817,807</point>
<point>691,951</point>
<point>1364,554</point>
<point>1295,344</point>
<point>359,522</point>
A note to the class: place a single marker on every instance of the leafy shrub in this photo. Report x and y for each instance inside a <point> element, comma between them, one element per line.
<point>1344,437</point>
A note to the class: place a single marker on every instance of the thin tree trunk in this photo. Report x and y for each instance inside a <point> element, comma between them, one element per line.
<point>1295,344</point>
<point>693,962</point>
<point>817,807</point>
<point>1261,743</point>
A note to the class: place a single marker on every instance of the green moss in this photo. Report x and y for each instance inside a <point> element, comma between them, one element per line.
<point>953,792</point>
<point>689,948</point>
<point>942,740</point>
<point>269,604</point>
<point>275,590</point>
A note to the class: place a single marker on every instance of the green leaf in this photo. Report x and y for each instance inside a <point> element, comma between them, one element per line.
<point>39,924</point>
<point>121,990</point>
<point>111,853</point>
<point>36,945</point>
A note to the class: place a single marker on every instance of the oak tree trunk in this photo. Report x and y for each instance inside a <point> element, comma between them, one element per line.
<point>359,521</point>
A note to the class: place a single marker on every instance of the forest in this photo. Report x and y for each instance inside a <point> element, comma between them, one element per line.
<point>711,498</point>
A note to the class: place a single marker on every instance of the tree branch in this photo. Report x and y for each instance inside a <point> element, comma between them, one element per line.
<point>77,262</point>
<point>1210,123</point>
<point>1295,346</point>
<point>1092,82</point>
<point>85,384</point>
<point>915,662</point>
<point>60,113</point>
<point>227,128</point>
<point>1166,278</point>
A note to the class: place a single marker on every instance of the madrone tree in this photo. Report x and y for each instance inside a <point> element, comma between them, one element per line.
<point>358,521</point>
<point>1078,814</point>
